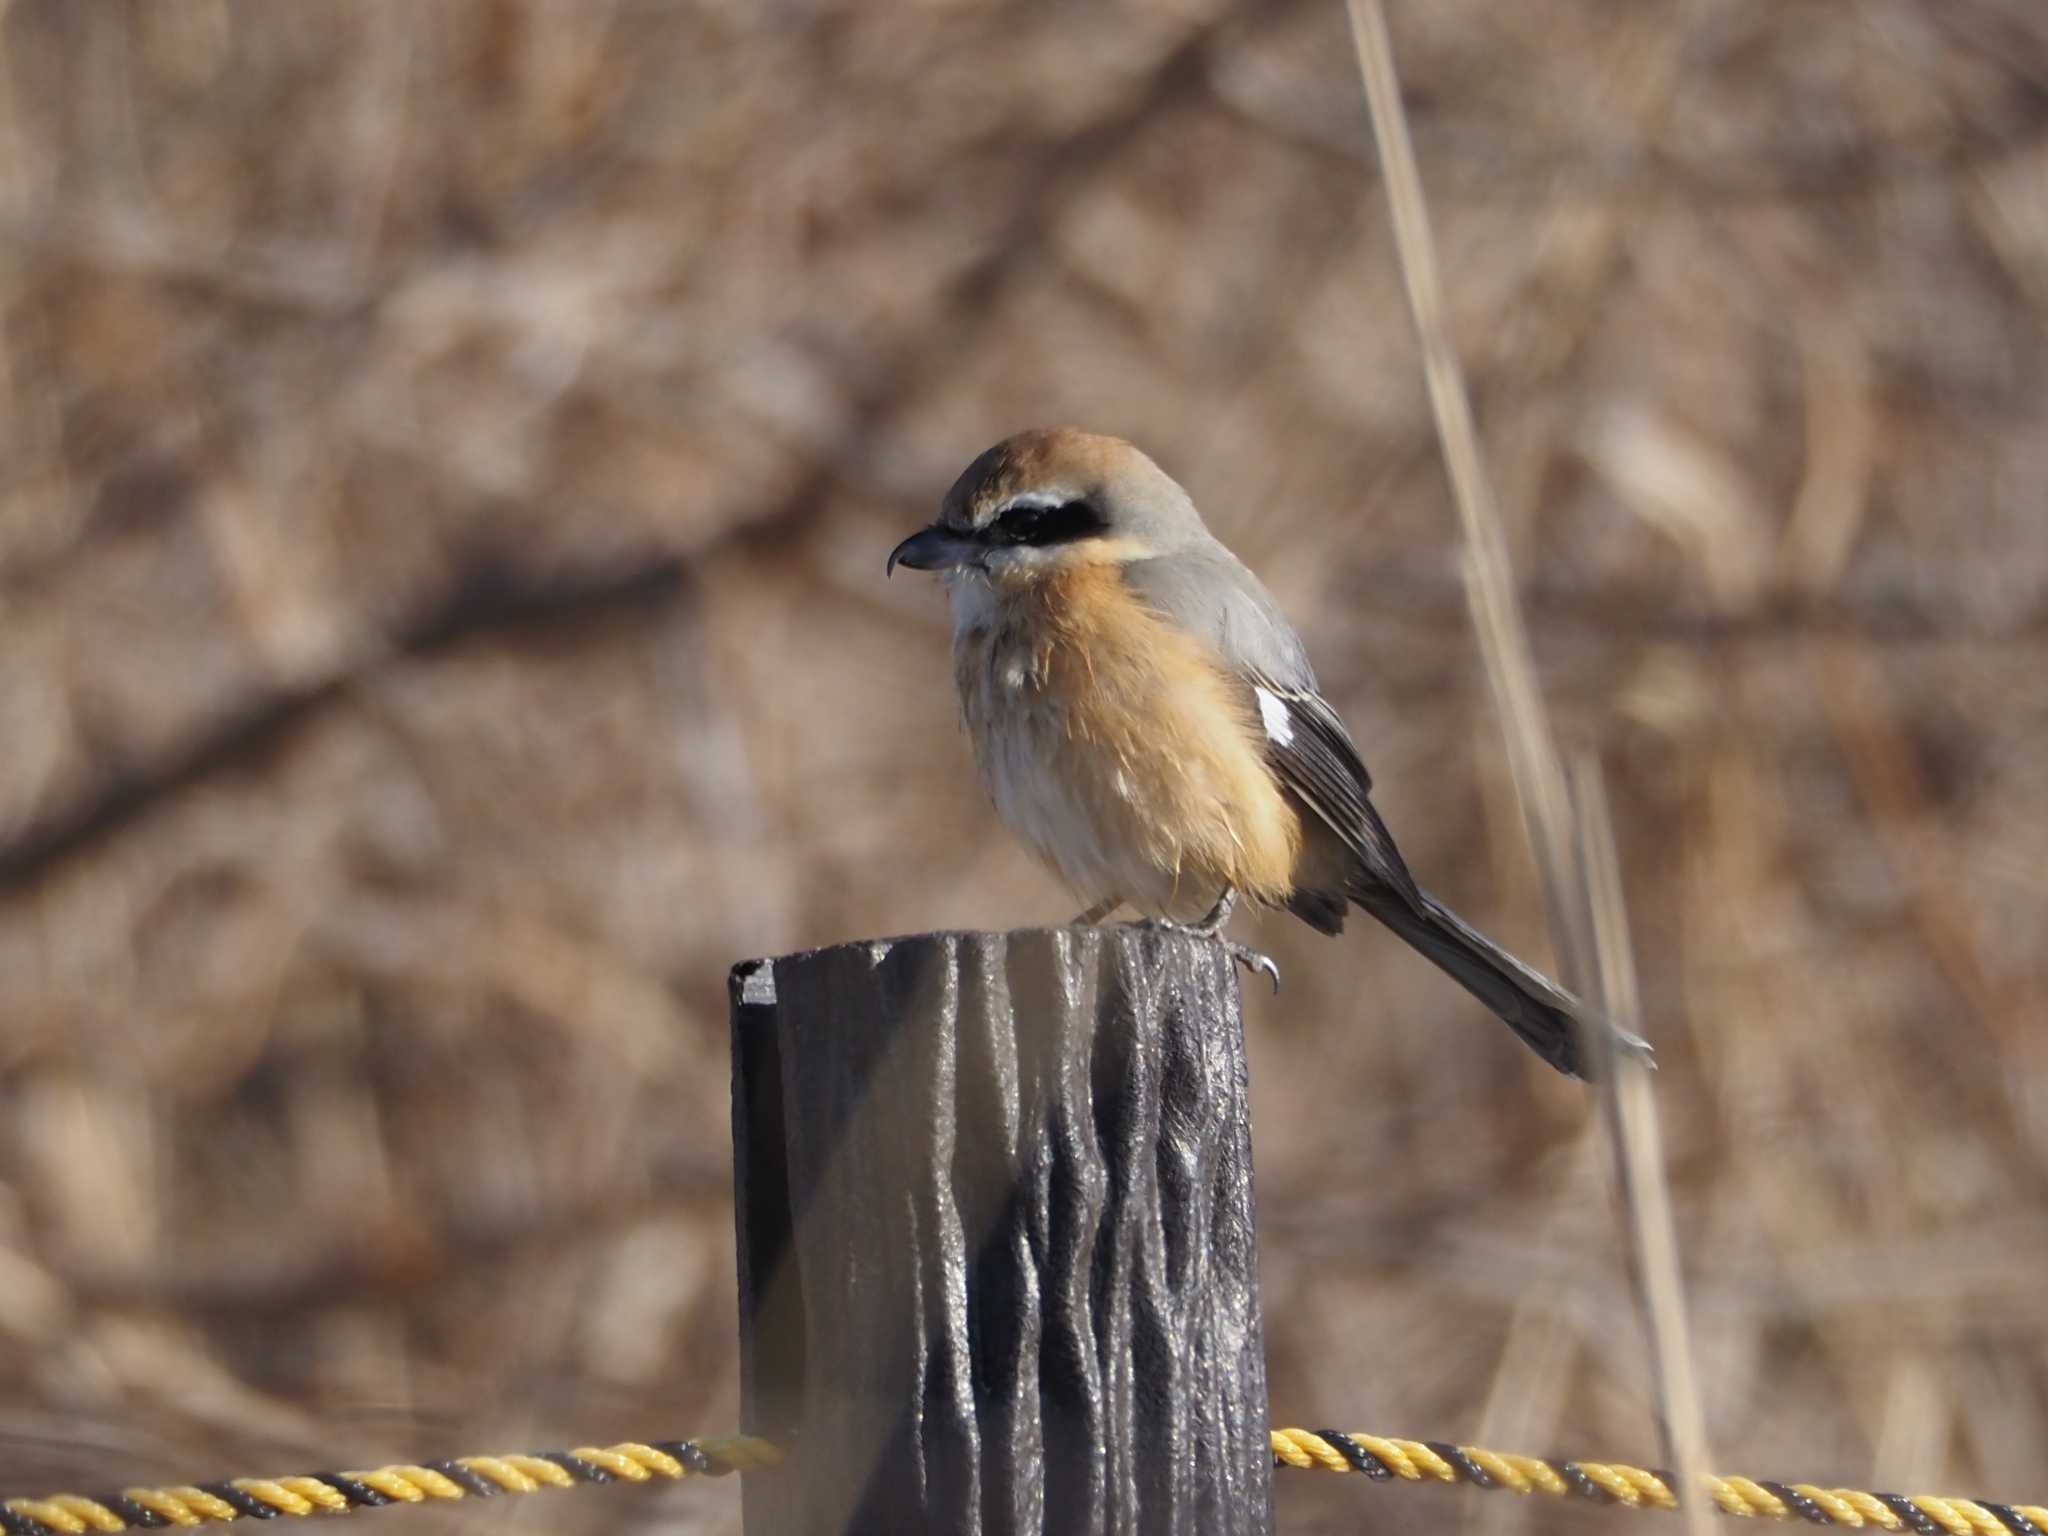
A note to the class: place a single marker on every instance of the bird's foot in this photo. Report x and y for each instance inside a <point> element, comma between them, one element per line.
<point>1097,913</point>
<point>1251,959</point>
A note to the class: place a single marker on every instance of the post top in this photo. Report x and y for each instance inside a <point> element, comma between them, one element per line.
<point>752,982</point>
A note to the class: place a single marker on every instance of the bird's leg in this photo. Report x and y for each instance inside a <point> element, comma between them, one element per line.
<point>1097,913</point>
<point>1211,927</point>
<point>1218,914</point>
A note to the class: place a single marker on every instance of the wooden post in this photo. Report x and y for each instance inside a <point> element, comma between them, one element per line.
<point>998,1274</point>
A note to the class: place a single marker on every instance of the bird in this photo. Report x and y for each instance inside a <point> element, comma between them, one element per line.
<point>1147,722</point>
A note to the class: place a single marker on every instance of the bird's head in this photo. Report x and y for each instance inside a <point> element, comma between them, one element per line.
<point>1046,500</point>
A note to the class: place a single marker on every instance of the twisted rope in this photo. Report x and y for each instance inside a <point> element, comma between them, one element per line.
<point>70,1514</point>
<point>1378,1457</point>
<point>1607,1482</point>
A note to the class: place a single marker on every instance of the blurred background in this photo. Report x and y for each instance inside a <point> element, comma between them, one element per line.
<point>447,456</point>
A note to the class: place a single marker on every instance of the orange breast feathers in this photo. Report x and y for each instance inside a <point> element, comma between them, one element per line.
<point>1116,745</point>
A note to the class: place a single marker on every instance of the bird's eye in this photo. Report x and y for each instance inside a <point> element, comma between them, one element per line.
<point>1038,523</point>
<point>1021,524</point>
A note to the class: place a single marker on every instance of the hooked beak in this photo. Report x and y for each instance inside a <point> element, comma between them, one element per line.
<point>934,549</point>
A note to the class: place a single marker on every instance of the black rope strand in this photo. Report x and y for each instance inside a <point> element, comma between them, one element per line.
<point>583,1471</point>
<point>22,1525</point>
<point>140,1516</point>
<point>1464,1465</point>
<point>469,1482</point>
<point>354,1490</point>
<point>1795,1501</point>
<point>2014,1521</point>
<point>1361,1459</point>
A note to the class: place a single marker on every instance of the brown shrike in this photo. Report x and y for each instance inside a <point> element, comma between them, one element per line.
<point>1148,723</point>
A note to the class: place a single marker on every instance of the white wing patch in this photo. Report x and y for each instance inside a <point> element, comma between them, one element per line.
<point>1274,716</point>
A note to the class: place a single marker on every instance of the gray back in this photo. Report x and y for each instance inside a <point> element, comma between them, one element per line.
<point>1207,590</point>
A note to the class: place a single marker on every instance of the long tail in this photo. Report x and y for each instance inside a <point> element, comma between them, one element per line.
<point>1548,1018</point>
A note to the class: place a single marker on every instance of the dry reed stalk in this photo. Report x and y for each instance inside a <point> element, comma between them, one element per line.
<point>1580,882</point>
<point>1631,1106</point>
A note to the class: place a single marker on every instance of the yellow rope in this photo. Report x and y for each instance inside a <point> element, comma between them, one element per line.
<point>1638,1488</point>
<point>1376,1456</point>
<point>67,1514</point>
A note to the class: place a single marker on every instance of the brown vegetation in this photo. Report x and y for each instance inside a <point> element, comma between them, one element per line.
<point>447,454</point>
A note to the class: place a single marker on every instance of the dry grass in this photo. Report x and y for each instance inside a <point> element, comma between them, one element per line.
<point>446,458</point>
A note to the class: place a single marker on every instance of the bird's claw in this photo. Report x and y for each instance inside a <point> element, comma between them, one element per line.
<point>1253,961</point>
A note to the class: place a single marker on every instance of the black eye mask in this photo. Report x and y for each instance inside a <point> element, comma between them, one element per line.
<point>1042,525</point>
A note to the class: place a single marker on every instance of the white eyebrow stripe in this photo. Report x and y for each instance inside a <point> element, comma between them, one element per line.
<point>1046,499</point>
<point>1273,715</point>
